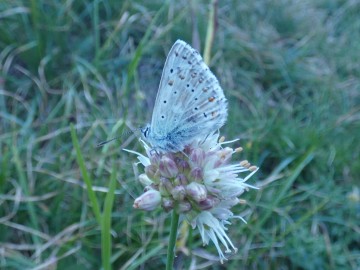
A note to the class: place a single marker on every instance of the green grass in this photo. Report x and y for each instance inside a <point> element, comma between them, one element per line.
<point>290,70</point>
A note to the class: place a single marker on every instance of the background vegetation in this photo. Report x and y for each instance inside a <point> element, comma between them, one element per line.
<point>290,69</point>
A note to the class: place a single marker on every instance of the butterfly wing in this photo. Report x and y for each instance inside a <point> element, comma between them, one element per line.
<point>190,103</point>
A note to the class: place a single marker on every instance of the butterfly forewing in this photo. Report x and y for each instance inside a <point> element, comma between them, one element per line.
<point>190,102</point>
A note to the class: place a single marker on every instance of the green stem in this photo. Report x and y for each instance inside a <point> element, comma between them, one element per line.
<point>172,240</point>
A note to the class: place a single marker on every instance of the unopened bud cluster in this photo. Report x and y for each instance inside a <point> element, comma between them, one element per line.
<point>176,180</point>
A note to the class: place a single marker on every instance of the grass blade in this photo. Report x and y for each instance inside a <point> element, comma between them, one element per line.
<point>24,185</point>
<point>106,222</point>
<point>80,160</point>
<point>285,187</point>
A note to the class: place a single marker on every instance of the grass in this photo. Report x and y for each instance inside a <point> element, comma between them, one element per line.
<point>290,70</point>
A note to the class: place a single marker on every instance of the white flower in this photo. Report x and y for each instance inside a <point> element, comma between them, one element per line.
<point>213,229</point>
<point>200,183</point>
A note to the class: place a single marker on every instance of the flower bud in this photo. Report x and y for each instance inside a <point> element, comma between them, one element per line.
<point>183,207</point>
<point>165,186</point>
<point>196,191</point>
<point>180,180</point>
<point>145,180</point>
<point>178,193</point>
<point>155,159</point>
<point>208,203</point>
<point>197,156</point>
<point>183,165</point>
<point>167,204</point>
<point>197,174</point>
<point>170,155</point>
<point>187,150</point>
<point>148,201</point>
<point>150,171</point>
<point>168,167</point>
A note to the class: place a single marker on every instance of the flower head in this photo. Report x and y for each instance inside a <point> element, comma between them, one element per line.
<point>200,183</point>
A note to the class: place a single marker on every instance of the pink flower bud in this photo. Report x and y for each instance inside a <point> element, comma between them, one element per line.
<point>168,167</point>
<point>196,191</point>
<point>183,207</point>
<point>155,159</point>
<point>165,186</point>
<point>167,204</point>
<point>183,165</point>
<point>208,203</point>
<point>151,170</point>
<point>197,174</point>
<point>148,201</point>
<point>197,156</point>
<point>181,180</point>
<point>178,193</point>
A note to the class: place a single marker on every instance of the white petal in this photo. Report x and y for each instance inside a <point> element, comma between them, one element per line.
<point>145,161</point>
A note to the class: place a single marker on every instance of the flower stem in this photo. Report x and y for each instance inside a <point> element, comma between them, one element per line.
<point>172,240</point>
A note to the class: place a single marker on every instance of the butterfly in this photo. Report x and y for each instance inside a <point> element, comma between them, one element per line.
<point>190,104</point>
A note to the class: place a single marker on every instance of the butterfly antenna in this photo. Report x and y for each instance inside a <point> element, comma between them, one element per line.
<point>125,133</point>
<point>105,142</point>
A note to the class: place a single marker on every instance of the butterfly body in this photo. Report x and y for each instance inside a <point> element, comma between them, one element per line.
<point>190,103</point>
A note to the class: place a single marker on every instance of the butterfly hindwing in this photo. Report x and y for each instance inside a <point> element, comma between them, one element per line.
<point>190,102</point>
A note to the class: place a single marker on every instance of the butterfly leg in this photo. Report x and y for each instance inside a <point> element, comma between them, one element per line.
<point>154,152</point>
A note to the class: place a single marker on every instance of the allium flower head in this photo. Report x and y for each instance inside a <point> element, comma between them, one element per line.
<point>200,183</point>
